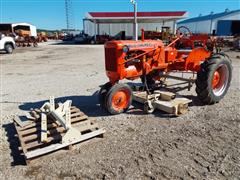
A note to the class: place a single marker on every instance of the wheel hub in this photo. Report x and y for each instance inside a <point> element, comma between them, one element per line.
<point>216,79</point>
<point>120,100</point>
<point>220,80</point>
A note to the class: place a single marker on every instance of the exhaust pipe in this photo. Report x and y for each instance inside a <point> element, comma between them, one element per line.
<point>143,38</point>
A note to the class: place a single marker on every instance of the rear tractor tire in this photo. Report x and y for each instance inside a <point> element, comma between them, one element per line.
<point>213,79</point>
<point>116,99</point>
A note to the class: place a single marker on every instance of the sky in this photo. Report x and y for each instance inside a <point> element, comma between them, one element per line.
<point>50,14</point>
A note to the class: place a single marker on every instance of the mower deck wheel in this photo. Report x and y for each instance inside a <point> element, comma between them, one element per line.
<point>148,108</point>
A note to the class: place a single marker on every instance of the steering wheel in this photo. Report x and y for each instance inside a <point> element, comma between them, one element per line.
<point>183,32</point>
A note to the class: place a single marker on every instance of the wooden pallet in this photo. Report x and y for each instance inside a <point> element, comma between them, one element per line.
<point>30,135</point>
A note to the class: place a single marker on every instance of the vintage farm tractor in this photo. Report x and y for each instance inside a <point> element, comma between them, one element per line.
<point>150,59</point>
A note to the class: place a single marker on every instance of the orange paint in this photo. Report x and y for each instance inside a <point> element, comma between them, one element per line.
<point>120,100</point>
<point>146,56</point>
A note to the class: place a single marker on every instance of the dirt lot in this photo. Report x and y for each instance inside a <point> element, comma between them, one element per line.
<point>203,144</point>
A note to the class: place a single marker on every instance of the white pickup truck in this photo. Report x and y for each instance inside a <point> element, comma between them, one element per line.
<point>7,43</point>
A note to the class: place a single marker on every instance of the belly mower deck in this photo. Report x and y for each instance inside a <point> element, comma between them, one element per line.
<point>162,100</point>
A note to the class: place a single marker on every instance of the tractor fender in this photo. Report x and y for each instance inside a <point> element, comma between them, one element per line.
<point>195,58</point>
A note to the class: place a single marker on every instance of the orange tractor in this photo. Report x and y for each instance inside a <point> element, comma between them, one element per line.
<point>150,59</point>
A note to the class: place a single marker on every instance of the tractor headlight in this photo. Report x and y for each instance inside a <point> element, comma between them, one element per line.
<point>125,49</point>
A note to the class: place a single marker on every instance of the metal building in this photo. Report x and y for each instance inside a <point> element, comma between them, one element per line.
<point>222,24</point>
<point>112,23</point>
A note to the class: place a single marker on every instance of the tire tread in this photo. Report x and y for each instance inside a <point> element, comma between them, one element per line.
<point>203,89</point>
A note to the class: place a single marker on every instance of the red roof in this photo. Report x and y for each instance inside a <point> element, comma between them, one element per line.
<point>139,14</point>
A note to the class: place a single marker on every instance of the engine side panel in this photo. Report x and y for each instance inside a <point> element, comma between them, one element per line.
<point>130,65</point>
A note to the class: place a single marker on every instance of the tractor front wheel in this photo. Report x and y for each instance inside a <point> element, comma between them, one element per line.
<point>213,80</point>
<point>102,94</point>
<point>118,98</point>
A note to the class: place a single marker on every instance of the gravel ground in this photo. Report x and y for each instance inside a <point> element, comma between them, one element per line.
<point>202,144</point>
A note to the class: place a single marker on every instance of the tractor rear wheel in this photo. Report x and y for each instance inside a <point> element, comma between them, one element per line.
<point>213,79</point>
<point>118,98</point>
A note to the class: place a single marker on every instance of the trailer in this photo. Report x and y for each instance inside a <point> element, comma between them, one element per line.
<point>25,34</point>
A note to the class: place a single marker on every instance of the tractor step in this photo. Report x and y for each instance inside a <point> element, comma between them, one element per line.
<point>30,133</point>
<point>162,100</point>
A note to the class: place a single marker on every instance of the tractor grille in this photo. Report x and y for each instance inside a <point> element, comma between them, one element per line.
<point>110,59</point>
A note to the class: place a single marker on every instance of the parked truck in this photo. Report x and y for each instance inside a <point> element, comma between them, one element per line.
<point>7,43</point>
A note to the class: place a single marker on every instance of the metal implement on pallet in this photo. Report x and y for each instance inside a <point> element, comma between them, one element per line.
<point>54,126</point>
<point>162,100</point>
<point>62,116</point>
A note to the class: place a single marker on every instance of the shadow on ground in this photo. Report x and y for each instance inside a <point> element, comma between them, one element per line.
<point>195,100</point>
<point>14,144</point>
<point>90,106</point>
<point>72,43</point>
<point>87,104</point>
<point>3,52</point>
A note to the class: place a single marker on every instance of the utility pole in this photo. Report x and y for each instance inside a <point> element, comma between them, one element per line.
<point>69,15</point>
<point>135,25</point>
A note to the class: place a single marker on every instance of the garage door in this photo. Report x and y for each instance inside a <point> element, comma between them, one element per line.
<point>228,28</point>
<point>224,28</point>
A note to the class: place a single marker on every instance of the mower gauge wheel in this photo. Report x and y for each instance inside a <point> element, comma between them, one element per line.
<point>148,108</point>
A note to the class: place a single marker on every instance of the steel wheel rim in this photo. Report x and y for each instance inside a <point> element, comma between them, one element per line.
<point>220,80</point>
<point>120,100</point>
